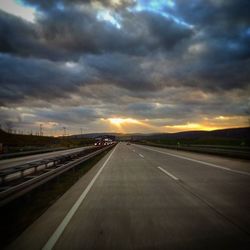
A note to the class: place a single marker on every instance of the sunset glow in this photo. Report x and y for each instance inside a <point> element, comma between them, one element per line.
<point>130,66</point>
<point>142,107</point>
<point>120,121</point>
<point>128,125</point>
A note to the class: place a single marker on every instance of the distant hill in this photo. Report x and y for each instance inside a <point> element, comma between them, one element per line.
<point>25,140</point>
<point>234,136</point>
<point>232,133</point>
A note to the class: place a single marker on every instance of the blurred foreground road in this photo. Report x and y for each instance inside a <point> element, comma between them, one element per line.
<point>140,197</point>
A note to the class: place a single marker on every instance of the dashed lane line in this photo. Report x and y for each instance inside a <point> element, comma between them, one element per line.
<point>169,174</point>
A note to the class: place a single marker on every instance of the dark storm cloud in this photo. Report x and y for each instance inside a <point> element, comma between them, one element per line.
<point>72,115</point>
<point>67,34</point>
<point>81,32</point>
<point>213,77</point>
<point>31,78</point>
<point>214,13</point>
<point>78,32</point>
<point>168,32</point>
<point>22,38</point>
<point>72,34</point>
<point>184,110</point>
<point>71,53</point>
<point>13,32</point>
<point>223,24</point>
<point>65,3</point>
<point>122,70</point>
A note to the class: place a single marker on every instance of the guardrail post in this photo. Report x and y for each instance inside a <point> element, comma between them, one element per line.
<point>16,189</point>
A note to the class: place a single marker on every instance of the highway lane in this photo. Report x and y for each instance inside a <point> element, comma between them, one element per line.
<point>219,161</point>
<point>30,158</point>
<point>143,199</point>
<point>225,187</point>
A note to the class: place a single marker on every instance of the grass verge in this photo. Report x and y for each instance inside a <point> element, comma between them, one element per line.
<point>219,151</point>
<point>17,215</point>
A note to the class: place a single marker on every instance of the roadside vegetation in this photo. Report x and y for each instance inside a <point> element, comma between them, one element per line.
<point>235,137</point>
<point>13,143</point>
<point>209,141</point>
<point>227,142</point>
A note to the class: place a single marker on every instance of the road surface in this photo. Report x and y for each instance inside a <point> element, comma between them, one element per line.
<point>30,158</point>
<point>142,197</point>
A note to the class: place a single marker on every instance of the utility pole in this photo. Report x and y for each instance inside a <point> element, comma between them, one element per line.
<point>41,130</point>
<point>64,131</point>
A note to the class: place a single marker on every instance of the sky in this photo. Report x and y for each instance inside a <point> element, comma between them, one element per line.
<point>128,66</point>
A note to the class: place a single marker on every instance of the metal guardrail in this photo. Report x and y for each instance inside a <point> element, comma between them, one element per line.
<point>17,181</point>
<point>215,150</point>
<point>31,152</point>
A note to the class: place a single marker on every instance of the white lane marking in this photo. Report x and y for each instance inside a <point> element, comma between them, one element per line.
<point>197,161</point>
<point>141,156</point>
<point>58,232</point>
<point>133,150</point>
<point>167,173</point>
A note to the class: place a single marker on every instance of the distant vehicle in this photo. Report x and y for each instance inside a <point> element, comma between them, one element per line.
<point>104,143</point>
<point>128,143</point>
<point>99,143</point>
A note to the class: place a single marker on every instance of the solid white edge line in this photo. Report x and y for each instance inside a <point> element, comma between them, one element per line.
<point>198,161</point>
<point>58,232</point>
<point>167,173</point>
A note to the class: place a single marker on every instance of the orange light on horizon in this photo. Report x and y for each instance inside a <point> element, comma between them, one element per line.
<point>124,125</point>
<point>119,121</point>
<point>189,126</point>
<point>219,122</point>
<point>131,125</point>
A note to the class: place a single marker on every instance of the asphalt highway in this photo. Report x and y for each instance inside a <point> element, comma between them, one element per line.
<point>31,158</point>
<point>141,197</point>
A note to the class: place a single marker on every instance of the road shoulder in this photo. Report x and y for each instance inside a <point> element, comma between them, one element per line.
<point>37,234</point>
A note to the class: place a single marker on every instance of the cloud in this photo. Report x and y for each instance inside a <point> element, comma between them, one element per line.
<point>170,63</point>
<point>36,79</point>
<point>53,4</point>
<point>12,7</point>
<point>69,33</point>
